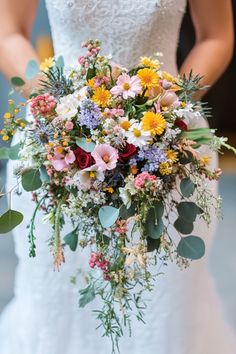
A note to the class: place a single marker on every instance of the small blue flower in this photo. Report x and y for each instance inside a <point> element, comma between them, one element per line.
<point>153,156</point>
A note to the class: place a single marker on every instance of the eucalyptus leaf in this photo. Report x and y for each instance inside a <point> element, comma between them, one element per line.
<point>192,247</point>
<point>188,211</point>
<point>87,295</point>
<point>86,146</point>
<point>9,220</point>
<point>153,244</point>
<point>32,69</point>
<point>159,208</point>
<point>60,62</point>
<point>4,153</point>
<point>14,151</point>
<point>183,226</point>
<point>71,240</point>
<point>187,187</point>
<point>17,81</point>
<point>154,227</point>
<point>126,213</point>
<point>108,215</point>
<point>31,180</point>
<point>43,174</point>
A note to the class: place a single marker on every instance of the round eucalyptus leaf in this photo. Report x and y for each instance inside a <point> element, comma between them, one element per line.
<point>183,226</point>
<point>108,215</point>
<point>4,153</point>
<point>153,244</point>
<point>191,247</point>
<point>31,180</point>
<point>71,240</point>
<point>14,152</point>
<point>154,229</point>
<point>187,187</point>
<point>86,146</point>
<point>17,81</point>
<point>126,213</point>
<point>159,209</point>
<point>188,211</point>
<point>9,220</point>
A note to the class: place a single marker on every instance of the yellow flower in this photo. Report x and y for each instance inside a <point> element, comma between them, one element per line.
<point>47,64</point>
<point>205,160</point>
<point>5,137</point>
<point>125,124</point>
<point>7,115</point>
<point>168,77</point>
<point>165,168</point>
<point>172,155</point>
<point>148,77</point>
<point>153,122</point>
<point>90,83</point>
<point>151,63</point>
<point>101,96</point>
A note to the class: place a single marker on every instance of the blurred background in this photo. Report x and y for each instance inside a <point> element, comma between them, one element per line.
<point>220,98</point>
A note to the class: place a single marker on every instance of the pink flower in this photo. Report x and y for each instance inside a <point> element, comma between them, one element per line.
<point>105,157</point>
<point>69,125</point>
<point>140,180</point>
<point>127,86</point>
<point>61,161</point>
<point>43,105</point>
<point>98,259</point>
<point>168,99</point>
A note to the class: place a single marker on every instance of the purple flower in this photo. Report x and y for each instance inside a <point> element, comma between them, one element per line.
<point>90,114</point>
<point>153,156</point>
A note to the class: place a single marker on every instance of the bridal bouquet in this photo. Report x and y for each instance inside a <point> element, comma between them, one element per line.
<point>111,152</point>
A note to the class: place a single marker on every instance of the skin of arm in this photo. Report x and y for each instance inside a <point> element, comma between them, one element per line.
<point>16,18</point>
<point>213,50</point>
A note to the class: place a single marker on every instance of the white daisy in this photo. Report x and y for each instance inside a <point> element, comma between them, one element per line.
<point>137,136</point>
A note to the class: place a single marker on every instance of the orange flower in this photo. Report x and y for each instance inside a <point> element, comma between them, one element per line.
<point>153,122</point>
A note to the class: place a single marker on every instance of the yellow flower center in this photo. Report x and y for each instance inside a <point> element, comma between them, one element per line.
<point>126,86</point>
<point>137,132</point>
<point>92,174</point>
<point>125,124</point>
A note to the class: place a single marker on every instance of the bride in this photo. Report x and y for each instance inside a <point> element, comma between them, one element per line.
<point>184,314</point>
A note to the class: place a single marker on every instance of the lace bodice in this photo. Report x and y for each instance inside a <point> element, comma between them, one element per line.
<point>128,29</point>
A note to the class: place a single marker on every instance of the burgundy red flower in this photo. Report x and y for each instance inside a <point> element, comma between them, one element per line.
<point>83,158</point>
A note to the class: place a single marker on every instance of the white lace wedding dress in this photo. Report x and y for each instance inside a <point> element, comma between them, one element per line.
<point>184,315</point>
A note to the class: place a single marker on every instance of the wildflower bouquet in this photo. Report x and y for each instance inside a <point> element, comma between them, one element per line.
<point>111,152</point>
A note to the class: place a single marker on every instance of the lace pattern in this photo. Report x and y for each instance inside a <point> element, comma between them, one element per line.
<point>128,29</point>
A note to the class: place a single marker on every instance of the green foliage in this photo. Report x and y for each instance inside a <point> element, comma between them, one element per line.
<point>91,73</point>
<point>31,180</point>
<point>4,153</point>
<point>187,187</point>
<point>85,145</point>
<point>188,211</point>
<point>108,215</point>
<point>71,239</point>
<point>87,295</point>
<point>43,174</point>
<point>60,62</point>
<point>183,226</point>
<point>9,220</point>
<point>10,153</point>
<point>153,244</point>
<point>154,226</point>
<point>192,247</point>
<point>127,213</point>
<point>17,81</point>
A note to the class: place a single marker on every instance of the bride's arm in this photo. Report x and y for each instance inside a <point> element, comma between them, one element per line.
<point>16,20</point>
<point>211,54</point>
